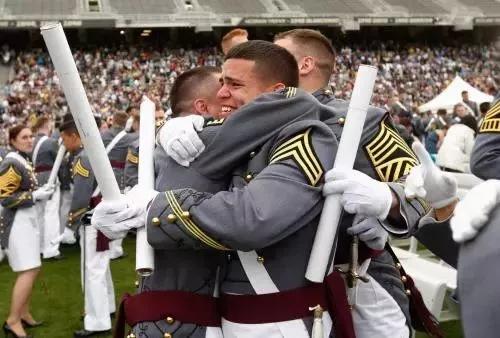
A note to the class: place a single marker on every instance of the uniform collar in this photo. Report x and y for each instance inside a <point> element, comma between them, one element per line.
<point>324,95</point>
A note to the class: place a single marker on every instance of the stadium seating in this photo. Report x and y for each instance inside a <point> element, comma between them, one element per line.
<point>127,7</point>
<point>486,6</point>
<point>331,7</point>
<point>40,7</point>
<point>418,6</point>
<point>233,6</point>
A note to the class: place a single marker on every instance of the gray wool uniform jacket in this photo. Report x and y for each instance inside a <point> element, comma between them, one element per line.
<point>478,268</point>
<point>17,183</point>
<point>117,156</point>
<point>84,184</point>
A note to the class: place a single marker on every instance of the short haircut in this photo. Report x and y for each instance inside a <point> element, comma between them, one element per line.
<point>313,43</point>
<point>40,122</point>
<point>120,119</point>
<point>464,92</point>
<point>68,125</point>
<point>188,86</point>
<point>484,107</point>
<point>15,130</point>
<point>234,32</point>
<point>441,112</point>
<point>272,62</point>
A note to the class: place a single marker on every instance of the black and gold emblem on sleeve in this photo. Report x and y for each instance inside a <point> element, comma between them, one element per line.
<point>299,149</point>
<point>491,122</point>
<point>214,122</point>
<point>132,158</point>
<point>79,169</point>
<point>389,154</point>
<point>10,181</point>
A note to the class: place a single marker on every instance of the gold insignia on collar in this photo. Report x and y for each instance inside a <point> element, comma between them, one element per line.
<point>299,148</point>
<point>10,181</point>
<point>290,92</point>
<point>79,169</point>
<point>132,158</point>
<point>389,154</point>
<point>491,122</point>
<point>213,122</point>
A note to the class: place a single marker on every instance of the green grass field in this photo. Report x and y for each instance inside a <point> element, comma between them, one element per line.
<point>58,300</point>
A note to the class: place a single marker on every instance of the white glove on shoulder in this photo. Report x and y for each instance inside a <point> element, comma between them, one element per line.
<point>115,218</point>
<point>429,182</point>
<point>179,138</point>
<point>369,231</point>
<point>473,211</point>
<point>361,194</point>
<point>43,193</point>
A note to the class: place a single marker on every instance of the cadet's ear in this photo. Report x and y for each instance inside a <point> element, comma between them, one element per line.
<point>277,86</point>
<point>200,107</point>
<point>306,65</point>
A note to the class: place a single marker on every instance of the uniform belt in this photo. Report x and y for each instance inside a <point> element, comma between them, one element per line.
<point>102,242</point>
<point>42,168</point>
<point>117,164</point>
<point>151,306</point>
<point>365,253</point>
<point>292,304</point>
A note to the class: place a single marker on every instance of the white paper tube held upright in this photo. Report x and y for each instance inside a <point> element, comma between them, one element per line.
<point>72,86</point>
<point>57,165</point>
<point>346,154</point>
<point>144,254</point>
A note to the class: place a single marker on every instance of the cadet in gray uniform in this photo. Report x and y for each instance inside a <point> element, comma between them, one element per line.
<point>480,297</point>
<point>19,229</point>
<point>96,276</point>
<point>316,58</point>
<point>44,154</point>
<point>182,270</point>
<point>131,170</point>
<point>118,153</point>
<point>119,141</point>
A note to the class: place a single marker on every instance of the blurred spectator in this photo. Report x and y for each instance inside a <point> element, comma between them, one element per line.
<point>471,106</point>
<point>116,78</point>
<point>233,38</point>
<point>454,153</point>
<point>483,109</point>
<point>459,112</point>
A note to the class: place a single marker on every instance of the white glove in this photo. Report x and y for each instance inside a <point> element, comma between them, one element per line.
<point>361,194</point>
<point>369,231</point>
<point>179,138</point>
<point>115,218</point>
<point>428,182</point>
<point>473,211</point>
<point>43,193</point>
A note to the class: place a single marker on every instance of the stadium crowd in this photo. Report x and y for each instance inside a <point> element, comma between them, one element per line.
<point>114,78</point>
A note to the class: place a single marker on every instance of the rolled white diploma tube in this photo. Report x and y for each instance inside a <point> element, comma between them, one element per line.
<point>346,154</point>
<point>72,86</point>
<point>144,254</point>
<point>57,165</point>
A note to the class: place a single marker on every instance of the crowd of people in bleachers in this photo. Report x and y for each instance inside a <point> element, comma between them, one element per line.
<point>115,78</point>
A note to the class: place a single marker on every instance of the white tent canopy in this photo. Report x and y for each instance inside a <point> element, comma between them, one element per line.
<point>452,95</point>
